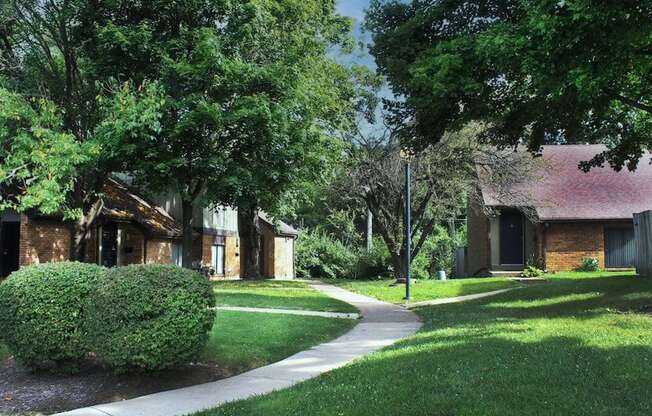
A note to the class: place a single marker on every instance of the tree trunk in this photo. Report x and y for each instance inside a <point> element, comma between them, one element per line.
<point>187,231</point>
<point>370,230</point>
<point>249,229</point>
<point>82,227</point>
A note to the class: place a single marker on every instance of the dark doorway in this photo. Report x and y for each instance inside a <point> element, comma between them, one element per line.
<point>619,247</point>
<point>109,245</point>
<point>9,248</point>
<point>511,238</point>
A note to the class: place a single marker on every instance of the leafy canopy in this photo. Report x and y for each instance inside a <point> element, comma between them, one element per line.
<point>538,71</point>
<point>39,161</point>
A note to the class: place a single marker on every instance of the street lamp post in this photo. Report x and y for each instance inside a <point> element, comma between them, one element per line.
<point>408,228</point>
<point>407,155</point>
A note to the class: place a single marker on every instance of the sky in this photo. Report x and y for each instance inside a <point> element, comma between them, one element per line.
<point>355,9</point>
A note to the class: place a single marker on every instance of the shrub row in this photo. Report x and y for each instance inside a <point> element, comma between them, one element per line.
<point>133,318</point>
<point>319,255</point>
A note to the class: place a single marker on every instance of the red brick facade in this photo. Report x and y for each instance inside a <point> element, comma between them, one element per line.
<point>568,243</point>
<point>557,246</point>
<point>159,251</point>
<point>43,241</point>
<point>49,240</point>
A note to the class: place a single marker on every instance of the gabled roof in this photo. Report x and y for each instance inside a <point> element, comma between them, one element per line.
<point>560,191</point>
<point>122,203</point>
<point>280,227</point>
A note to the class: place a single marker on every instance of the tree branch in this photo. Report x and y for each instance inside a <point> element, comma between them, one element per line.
<point>629,101</point>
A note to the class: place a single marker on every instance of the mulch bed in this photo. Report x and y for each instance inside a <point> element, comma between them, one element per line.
<point>22,391</point>
<point>647,310</point>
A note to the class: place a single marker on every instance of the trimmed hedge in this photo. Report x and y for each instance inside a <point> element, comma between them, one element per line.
<point>42,310</point>
<point>150,317</point>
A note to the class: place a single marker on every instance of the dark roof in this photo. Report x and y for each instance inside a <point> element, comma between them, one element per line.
<point>124,204</point>
<point>279,227</point>
<point>560,191</point>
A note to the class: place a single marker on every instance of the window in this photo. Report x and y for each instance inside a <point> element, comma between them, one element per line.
<point>177,257</point>
<point>217,259</point>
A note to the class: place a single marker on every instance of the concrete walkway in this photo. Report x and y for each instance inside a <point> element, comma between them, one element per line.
<point>458,299</point>
<point>300,312</point>
<point>382,325</point>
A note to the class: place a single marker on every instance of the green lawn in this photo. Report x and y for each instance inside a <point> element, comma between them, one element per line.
<point>424,289</point>
<point>241,341</point>
<point>574,346</point>
<point>276,294</point>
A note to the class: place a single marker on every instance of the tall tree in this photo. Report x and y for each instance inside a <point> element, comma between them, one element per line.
<point>538,71</point>
<point>289,136</point>
<point>444,176</point>
<point>249,97</point>
<point>63,110</point>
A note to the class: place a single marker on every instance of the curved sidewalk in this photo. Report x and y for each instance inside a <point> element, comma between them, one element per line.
<point>382,324</point>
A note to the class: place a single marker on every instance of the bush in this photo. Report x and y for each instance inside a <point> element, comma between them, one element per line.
<point>42,311</point>
<point>437,253</point>
<point>589,264</point>
<point>374,264</point>
<point>150,317</point>
<point>532,271</point>
<point>320,256</point>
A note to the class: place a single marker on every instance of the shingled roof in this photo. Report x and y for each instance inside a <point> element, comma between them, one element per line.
<point>560,191</point>
<point>122,203</point>
<point>279,227</point>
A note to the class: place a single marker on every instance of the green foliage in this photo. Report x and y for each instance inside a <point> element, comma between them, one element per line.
<point>39,161</point>
<point>320,256</point>
<point>42,312</point>
<point>538,71</point>
<point>589,264</point>
<point>374,264</point>
<point>150,317</point>
<point>532,271</point>
<point>438,253</point>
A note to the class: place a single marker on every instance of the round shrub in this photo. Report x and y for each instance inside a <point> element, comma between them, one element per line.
<point>42,311</point>
<point>150,317</point>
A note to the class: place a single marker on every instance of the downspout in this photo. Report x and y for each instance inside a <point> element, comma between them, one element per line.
<point>545,247</point>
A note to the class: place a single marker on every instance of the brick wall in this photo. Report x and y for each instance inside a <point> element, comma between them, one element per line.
<point>478,257</point>
<point>43,241</point>
<point>159,252</point>
<point>206,247</point>
<point>568,243</point>
<point>131,245</point>
<point>232,257</point>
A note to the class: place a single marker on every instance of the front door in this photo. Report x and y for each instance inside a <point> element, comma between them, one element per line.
<point>619,247</point>
<point>9,247</point>
<point>109,245</point>
<point>511,238</point>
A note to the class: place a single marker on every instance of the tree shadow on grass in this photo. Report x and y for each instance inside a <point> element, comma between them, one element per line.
<point>470,375</point>
<point>577,298</point>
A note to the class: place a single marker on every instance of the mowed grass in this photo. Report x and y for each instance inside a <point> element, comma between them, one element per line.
<point>424,290</point>
<point>241,341</point>
<point>276,294</point>
<point>577,345</point>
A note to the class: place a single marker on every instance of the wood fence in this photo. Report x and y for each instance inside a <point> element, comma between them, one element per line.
<point>643,235</point>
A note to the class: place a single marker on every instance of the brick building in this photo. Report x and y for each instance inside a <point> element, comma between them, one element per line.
<point>571,215</point>
<point>134,230</point>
